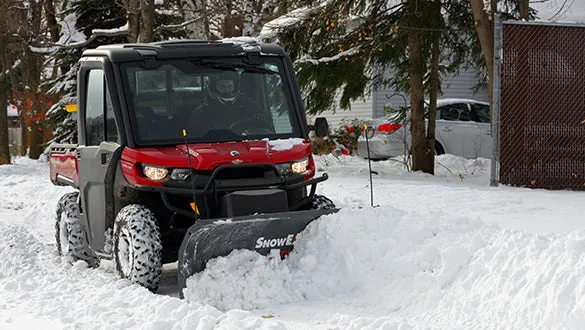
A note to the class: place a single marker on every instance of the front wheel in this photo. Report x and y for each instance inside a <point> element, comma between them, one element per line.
<point>138,246</point>
<point>69,233</point>
<point>321,202</point>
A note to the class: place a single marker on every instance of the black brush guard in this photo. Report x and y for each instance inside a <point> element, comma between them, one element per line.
<point>215,186</point>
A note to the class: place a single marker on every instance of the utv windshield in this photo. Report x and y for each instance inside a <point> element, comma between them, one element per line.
<point>214,100</point>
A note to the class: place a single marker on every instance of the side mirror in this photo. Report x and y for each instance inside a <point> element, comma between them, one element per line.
<point>321,127</point>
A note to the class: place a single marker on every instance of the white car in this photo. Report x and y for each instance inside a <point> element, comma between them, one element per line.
<point>463,129</point>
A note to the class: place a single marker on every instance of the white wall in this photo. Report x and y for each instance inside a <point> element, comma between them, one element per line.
<point>359,109</point>
<point>454,86</point>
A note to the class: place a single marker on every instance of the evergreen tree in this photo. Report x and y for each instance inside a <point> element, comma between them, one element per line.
<point>79,20</point>
<point>343,48</point>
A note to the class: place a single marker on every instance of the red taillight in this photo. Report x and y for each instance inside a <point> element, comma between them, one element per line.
<point>388,128</point>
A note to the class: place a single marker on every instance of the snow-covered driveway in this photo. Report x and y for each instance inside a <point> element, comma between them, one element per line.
<point>444,252</point>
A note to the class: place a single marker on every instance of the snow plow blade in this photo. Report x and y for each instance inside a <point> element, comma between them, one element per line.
<point>208,239</point>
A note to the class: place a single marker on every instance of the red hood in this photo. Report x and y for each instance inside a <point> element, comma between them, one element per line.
<point>210,155</point>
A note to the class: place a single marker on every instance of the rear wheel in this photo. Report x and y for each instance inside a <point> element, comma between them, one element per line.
<point>138,246</point>
<point>69,233</point>
<point>321,202</point>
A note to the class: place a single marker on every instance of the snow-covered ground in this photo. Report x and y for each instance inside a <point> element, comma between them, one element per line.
<point>445,251</point>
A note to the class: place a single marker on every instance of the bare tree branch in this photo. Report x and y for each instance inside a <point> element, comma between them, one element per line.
<point>95,33</point>
<point>562,7</point>
<point>161,28</point>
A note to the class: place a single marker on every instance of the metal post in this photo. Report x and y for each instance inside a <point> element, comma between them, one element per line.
<point>369,166</point>
<point>495,166</point>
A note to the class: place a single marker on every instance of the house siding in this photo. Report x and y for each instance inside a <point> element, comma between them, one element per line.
<point>360,109</point>
<point>453,86</point>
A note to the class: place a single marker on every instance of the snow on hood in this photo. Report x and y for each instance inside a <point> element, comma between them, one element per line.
<point>284,144</point>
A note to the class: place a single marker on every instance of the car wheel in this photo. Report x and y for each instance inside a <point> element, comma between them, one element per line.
<point>439,150</point>
<point>138,246</point>
<point>69,233</point>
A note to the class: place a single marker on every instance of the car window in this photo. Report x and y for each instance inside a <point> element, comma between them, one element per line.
<point>480,113</point>
<point>453,112</point>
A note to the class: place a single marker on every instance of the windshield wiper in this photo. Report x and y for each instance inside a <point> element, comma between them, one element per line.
<point>229,66</point>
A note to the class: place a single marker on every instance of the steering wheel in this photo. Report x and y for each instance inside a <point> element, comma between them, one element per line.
<point>251,126</point>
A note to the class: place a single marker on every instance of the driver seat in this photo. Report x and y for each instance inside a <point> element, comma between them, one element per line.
<point>146,121</point>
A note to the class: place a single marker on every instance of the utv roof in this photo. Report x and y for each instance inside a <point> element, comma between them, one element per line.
<point>184,49</point>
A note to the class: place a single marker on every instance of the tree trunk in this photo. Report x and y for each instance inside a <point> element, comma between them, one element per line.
<point>146,20</point>
<point>4,88</point>
<point>35,135</point>
<point>433,95</point>
<point>485,33</point>
<point>231,25</point>
<point>417,119</point>
<point>4,147</point>
<point>196,9</point>
<point>51,18</point>
<point>23,136</point>
<point>53,28</point>
<point>4,95</point>
<point>524,6</point>
<point>4,85</point>
<point>32,65</point>
<point>420,152</point>
<point>133,16</point>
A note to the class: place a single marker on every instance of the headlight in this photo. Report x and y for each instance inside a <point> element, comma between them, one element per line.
<point>300,167</point>
<point>155,173</point>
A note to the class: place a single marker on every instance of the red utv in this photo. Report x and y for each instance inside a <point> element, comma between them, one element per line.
<point>152,190</point>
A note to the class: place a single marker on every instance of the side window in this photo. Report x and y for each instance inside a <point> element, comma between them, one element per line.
<point>462,111</point>
<point>448,112</point>
<point>100,124</point>
<point>277,101</point>
<point>454,112</point>
<point>94,112</point>
<point>111,130</point>
<point>480,113</point>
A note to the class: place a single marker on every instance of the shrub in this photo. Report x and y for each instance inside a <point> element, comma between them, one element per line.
<point>343,140</point>
<point>347,135</point>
